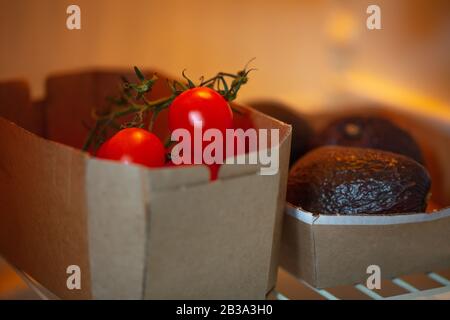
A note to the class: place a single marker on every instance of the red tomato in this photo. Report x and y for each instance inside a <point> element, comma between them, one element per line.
<point>200,104</point>
<point>134,145</point>
<point>243,121</point>
<point>214,171</point>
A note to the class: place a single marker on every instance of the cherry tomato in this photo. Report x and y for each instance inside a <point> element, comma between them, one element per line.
<point>134,145</point>
<point>242,120</point>
<point>214,171</point>
<point>203,105</point>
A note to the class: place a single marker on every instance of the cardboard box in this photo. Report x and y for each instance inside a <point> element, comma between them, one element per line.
<point>134,232</point>
<point>328,251</point>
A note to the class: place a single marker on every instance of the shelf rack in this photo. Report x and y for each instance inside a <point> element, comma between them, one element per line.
<point>440,291</point>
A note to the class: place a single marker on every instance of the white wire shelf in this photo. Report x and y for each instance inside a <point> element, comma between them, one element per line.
<point>432,285</point>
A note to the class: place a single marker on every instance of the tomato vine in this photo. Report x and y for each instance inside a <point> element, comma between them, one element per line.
<point>132,100</point>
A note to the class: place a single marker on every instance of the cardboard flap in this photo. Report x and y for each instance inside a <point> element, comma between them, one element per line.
<point>43,217</point>
<point>16,106</point>
<point>210,239</point>
<point>118,207</point>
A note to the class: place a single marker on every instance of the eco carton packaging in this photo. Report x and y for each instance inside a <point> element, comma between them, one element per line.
<point>328,251</point>
<point>134,232</point>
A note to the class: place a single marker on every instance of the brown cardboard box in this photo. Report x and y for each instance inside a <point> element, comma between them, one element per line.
<point>328,251</point>
<point>134,232</point>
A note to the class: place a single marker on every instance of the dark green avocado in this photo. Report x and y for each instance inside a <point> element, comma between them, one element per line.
<point>369,132</point>
<point>343,180</point>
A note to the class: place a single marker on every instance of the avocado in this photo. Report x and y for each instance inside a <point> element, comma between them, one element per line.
<point>354,181</point>
<point>302,132</point>
<point>369,132</point>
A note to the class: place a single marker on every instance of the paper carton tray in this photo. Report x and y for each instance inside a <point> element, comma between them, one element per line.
<point>134,232</point>
<point>337,250</point>
<point>328,251</point>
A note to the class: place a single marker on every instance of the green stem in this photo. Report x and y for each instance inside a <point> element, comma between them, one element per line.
<point>91,136</point>
<point>152,120</point>
<point>128,105</point>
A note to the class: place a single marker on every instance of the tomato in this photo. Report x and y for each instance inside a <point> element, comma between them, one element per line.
<point>200,104</point>
<point>134,145</point>
<point>242,120</point>
<point>214,171</point>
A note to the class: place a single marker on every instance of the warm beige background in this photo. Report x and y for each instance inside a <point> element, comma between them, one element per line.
<point>309,53</point>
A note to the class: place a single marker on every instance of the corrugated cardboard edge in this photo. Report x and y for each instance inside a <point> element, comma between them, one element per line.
<point>297,254</point>
<point>284,153</point>
<point>310,218</point>
<point>262,120</point>
<point>337,250</point>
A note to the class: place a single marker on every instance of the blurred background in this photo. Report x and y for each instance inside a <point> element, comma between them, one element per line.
<point>309,54</point>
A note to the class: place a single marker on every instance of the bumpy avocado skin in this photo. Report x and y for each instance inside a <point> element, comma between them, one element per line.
<point>342,180</point>
<point>369,132</point>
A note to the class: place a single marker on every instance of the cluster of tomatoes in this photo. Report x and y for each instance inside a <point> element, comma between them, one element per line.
<point>140,146</point>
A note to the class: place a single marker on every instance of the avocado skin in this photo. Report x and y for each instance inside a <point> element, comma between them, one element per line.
<point>354,181</point>
<point>302,132</point>
<point>369,132</point>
